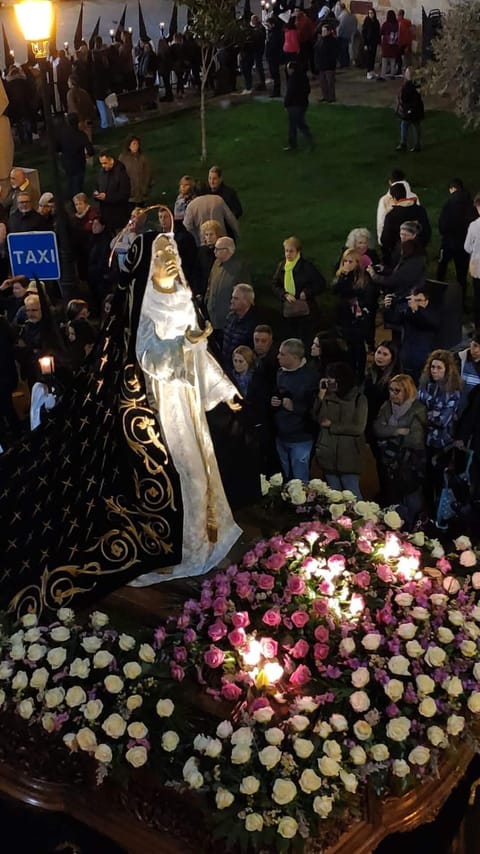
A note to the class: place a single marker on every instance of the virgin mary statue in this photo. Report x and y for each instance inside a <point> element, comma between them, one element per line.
<point>182,381</point>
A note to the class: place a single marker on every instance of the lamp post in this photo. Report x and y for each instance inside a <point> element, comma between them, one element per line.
<point>35,18</point>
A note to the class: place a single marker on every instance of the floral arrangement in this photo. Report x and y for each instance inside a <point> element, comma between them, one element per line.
<point>348,650</point>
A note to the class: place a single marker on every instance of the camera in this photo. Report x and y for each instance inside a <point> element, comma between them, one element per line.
<point>328,384</point>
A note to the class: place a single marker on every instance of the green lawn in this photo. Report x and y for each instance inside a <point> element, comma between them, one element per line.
<point>318,196</point>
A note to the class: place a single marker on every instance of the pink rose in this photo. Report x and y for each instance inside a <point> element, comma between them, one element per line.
<point>214,657</point>
<point>296,585</point>
<point>476,580</point>
<point>240,619</point>
<point>327,587</point>
<point>345,522</point>
<point>330,535</point>
<point>274,562</point>
<point>310,565</point>
<point>321,651</point>
<point>217,630</point>
<point>269,647</point>
<point>219,606</point>
<point>300,649</point>
<point>190,636</point>
<point>230,691</point>
<point>244,591</point>
<point>265,582</point>
<point>384,573</point>
<point>321,634</point>
<point>179,654</point>
<point>177,672</point>
<point>362,579</point>
<point>444,565</point>
<point>300,619</point>
<point>300,676</point>
<point>320,607</point>
<point>276,542</point>
<point>271,617</point>
<point>183,621</point>
<point>336,564</point>
<point>468,558</point>
<point>364,546</point>
<point>237,637</point>
<point>249,559</point>
<point>451,585</point>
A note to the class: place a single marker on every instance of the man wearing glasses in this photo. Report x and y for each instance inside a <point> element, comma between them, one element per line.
<point>228,270</point>
<point>25,218</point>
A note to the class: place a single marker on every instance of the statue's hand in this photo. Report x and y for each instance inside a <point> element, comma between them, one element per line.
<point>197,335</point>
<point>233,405</point>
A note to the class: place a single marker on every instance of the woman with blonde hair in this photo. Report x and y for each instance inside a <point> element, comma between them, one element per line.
<point>357,308</point>
<point>400,431</point>
<point>210,231</point>
<point>297,282</point>
<point>186,192</point>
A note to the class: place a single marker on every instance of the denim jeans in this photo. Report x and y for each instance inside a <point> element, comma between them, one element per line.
<point>106,117</point>
<point>295,458</point>
<point>344,481</point>
<point>405,126</point>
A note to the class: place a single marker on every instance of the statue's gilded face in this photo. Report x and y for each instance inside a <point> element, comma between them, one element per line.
<point>165,266</point>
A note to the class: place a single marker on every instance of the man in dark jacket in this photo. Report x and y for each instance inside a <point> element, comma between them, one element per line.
<point>241,322</point>
<point>274,52</point>
<point>455,217</point>
<point>403,209</point>
<point>113,191</point>
<point>296,103</point>
<point>326,56</point>
<point>25,218</point>
<point>219,188</point>
<point>73,143</point>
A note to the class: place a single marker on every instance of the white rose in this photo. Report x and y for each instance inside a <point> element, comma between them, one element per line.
<point>425,684</point>
<point>287,827</point>
<point>70,740</point>
<point>475,612</point>
<point>241,754</point>
<point>249,785</point>
<point>359,701</point>
<point>29,620</point>
<point>323,805</point>
<point>60,634</point>
<point>362,730</point>
<point>404,600</point>
<point>113,684</point>
<point>299,722</point>
<point>360,677</point>
<point>436,736</point>
<point>358,755</point>
<point>349,781</point>
<point>437,549</point>
<point>36,651</point>
<point>299,496</point>
<point>270,756</point>
<point>414,650</point>
<point>455,724</point>
<point>92,710</point>
<point>213,748</point>
<point>17,652</point>
<point>253,822</point>
<point>348,495</point>
<point>328,767</point>
<point>476,671</point>
<point>338,722</point>
<point>399,665</point>
<point>132,670</point>
<point>379,752</point>
<point>33,635</point>
<point>20,681</point>
<point>137,730</point>
<point>224,729</point>
<point>56,657</point>
<point>276,479</point>
<point>164,708</point>
<point>468,648</point>
<point>17,637</point>
<point>451,585</point>
<point>371,641</point>
<point>419,755</point>
<point>453,686</point>
<point>347,646</point>
<point>456,618</point>
<point>146,653</point>
<point>472,630</point>
<point>66,615</point>
<point>243,735</point>
<point>435,656</point>
<point>473,702</point>
<point>194,780</point>
<point>263,715</point>
<point>284,791</point>
<point>170,741</point>
<point>420,613</point>
<point>98,619</point>
<point>418,539</point>
<point>462,543</point>
<point>400,768</point>
<point>306,704</point>
<point>264,485</point>
<point>393,689</point>
<point>309,781</point>
<point>438,599</point>
<point>48,722</point>
<point>80,667</point>
<point>274,735</point>
<point>476,580</point>
<point>367,509</point>
<point>428,707</point>
<point>25,709</point>
<point>39,678</point>
<point>114,725</point>
<point>134,702</point>
<point>398,729</point>
<point>102,659</point>
<point>126,642</point>
<point>5,671</point>
<point>103,754</point>
<point>393,520</point>
<point>337,510</point>
<point>136,756</point>
<point>75,696</point>
<point>54,697</point>
<point>223,798</point>
<point>445,635</point>
<point>86,740</point>
<point>91,643</point>
<point>407,631</point>
<point>332,749</point>
<point>468,558</point>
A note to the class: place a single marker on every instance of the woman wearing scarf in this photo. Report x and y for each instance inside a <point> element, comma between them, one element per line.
<point>400,430</point>
<point>297,282</point>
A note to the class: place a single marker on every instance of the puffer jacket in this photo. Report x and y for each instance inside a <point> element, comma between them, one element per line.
<point>339,448</point>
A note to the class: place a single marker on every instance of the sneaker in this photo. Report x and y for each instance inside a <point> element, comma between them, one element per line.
<point>401,147</point>
<point>415,148</point>
<point>246,92</point>
<point>290,148</point>
<point>370,75</point>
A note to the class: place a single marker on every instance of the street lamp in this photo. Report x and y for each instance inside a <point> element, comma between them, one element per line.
<point>35,18</point>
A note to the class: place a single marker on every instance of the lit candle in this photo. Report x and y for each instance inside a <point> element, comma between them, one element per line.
<point>12,54</point>
<point>162,25</point>
<point>65,44</point>
<point>130,30</point>
<point>112,33</point>
<point>47,365</point>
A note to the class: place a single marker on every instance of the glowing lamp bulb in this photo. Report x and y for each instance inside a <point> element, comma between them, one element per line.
<point>273,671</point>
<point>392,547</point>
<point>252,654</point>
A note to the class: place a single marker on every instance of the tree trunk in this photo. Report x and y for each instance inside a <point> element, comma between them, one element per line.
<point>203,119</point>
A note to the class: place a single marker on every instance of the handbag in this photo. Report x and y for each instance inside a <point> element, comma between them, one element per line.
<point>299,308</point>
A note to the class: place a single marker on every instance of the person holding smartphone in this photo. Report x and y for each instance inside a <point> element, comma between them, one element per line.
<point>341,412</point>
